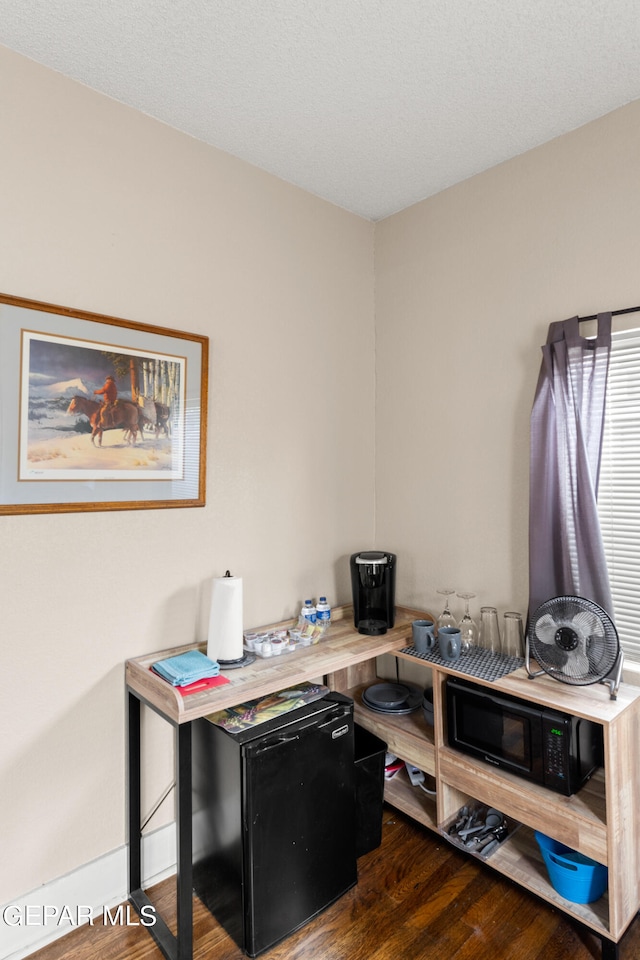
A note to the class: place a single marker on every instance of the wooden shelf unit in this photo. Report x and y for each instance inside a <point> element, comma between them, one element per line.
<point>600,821</point>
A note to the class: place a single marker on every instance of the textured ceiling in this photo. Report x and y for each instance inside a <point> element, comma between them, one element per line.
<point>371,104</point>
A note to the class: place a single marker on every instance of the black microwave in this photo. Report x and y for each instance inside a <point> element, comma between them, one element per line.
<point>554,749</point>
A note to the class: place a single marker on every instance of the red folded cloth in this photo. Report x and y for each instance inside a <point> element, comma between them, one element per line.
<point>199,685</point>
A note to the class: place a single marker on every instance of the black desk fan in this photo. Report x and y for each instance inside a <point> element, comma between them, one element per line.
<point>575,641</point>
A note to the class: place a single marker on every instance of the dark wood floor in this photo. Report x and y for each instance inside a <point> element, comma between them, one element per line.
<point>416,897</point>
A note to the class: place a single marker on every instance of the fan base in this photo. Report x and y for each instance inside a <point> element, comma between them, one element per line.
<point>612,680</point>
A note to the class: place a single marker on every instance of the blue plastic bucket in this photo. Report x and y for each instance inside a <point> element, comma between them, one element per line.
<point>574,876</point>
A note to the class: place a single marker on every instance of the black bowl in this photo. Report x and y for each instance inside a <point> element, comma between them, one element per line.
<point>427,706</point>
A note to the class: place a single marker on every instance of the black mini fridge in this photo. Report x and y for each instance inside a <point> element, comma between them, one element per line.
<point>274,820</point>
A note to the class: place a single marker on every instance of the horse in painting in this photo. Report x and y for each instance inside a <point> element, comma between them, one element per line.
<point>155,416</point>
<point>122,414</point>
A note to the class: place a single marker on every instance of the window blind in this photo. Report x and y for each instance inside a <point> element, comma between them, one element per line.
<point>619,488</point>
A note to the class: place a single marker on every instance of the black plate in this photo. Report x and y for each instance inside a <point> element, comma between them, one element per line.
<point>387,695</point>
<point>412,702</point>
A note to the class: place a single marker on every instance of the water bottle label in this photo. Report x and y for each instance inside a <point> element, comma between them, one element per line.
<point>324,616</point>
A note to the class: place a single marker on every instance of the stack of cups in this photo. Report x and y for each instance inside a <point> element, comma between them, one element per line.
<point>489,630</point>
<point>513,645</point>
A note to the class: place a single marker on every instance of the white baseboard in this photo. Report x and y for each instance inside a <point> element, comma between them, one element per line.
<point>29,922</point>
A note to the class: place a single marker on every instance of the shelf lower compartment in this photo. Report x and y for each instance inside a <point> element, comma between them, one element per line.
<point>519,858</point>
<point>420,806</point>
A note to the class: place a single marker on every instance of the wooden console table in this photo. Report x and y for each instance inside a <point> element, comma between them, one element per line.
<point>342,649</point>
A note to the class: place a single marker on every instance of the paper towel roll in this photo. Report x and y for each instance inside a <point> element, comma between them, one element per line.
<point>225,641</point>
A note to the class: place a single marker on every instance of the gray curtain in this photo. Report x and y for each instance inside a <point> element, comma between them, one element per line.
<point>566,556</point>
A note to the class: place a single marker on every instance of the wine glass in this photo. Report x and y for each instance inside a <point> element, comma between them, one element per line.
<point>468,627</point>
<point>446,618</point>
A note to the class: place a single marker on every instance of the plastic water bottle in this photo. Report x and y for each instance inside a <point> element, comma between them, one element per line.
<point>323,612</point>
<point>309,611</point>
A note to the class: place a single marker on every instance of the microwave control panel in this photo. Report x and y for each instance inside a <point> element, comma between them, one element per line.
<point>555,740</point>
<point>572,750</point>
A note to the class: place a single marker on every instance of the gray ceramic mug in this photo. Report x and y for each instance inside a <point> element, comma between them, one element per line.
<point>449,643</point>
<point>423,635</point>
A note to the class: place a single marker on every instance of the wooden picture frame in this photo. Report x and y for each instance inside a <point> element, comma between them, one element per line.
<point>98,413</point>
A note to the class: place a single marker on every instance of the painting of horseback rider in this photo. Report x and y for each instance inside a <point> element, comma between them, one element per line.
<point>72,387</point>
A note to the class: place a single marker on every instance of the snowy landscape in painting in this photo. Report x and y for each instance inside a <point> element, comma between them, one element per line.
<point>56,442</point>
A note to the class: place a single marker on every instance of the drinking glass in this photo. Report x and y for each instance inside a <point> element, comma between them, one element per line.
<point>468,627</point>
<point>513,635</point>
<point>489,629</point>
<point>446,618</point>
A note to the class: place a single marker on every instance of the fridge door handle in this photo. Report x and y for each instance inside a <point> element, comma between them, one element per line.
<point>339,714</point>
<point>276,742</point>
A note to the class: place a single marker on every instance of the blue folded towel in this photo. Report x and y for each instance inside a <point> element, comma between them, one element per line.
<point>186,668</point>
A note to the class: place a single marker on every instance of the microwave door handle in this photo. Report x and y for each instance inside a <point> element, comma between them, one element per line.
<point>521,708</point>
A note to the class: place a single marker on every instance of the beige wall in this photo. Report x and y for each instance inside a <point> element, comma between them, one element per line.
<point>106,210</point>
<point>466,285</point>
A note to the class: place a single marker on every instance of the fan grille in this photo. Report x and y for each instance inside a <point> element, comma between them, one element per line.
<point>573,640</point>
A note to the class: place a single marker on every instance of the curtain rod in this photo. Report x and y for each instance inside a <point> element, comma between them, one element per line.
<point>614,313</point>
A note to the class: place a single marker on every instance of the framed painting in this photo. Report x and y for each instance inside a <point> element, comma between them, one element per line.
<point>98,413</point>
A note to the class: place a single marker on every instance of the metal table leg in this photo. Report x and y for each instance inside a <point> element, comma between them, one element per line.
<point>178,947</point>
<point>609,949</point>
<point>185,843</point>
<point>133,786</point>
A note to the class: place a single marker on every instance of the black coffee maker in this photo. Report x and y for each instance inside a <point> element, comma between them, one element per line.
<point>373,580</point>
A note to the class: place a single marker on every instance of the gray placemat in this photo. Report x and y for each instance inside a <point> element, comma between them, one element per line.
<point>479,663</point>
